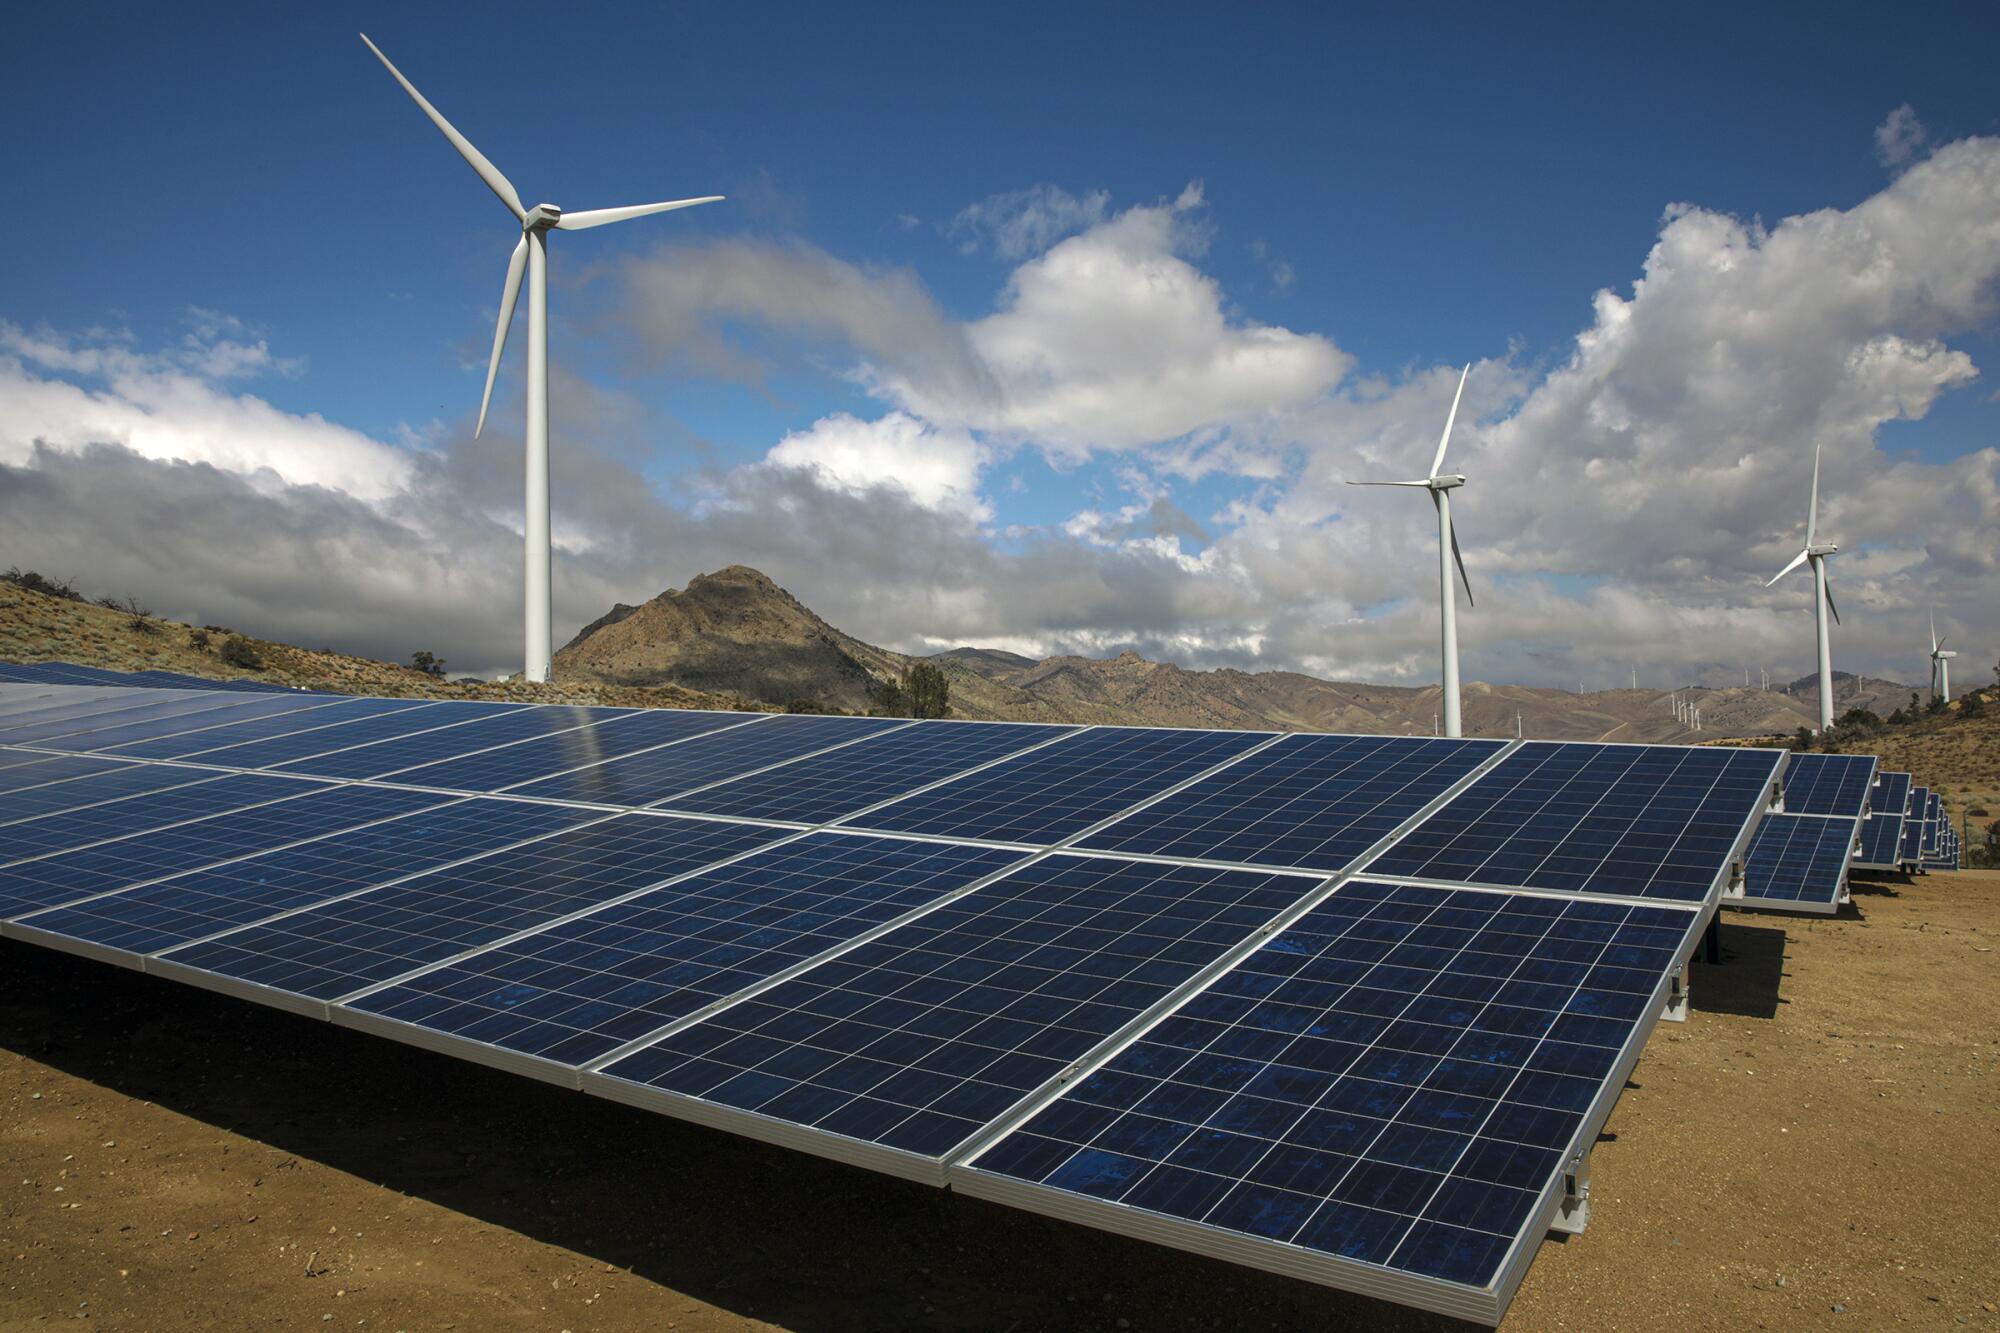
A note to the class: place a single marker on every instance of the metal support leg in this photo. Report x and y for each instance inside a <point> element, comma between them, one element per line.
<point>1574,1214</point>
<point>1676,1010</point>
<point>1711,940</point>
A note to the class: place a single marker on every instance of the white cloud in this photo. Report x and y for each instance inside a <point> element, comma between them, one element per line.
<point>1021,223</point>
<point>1898,138</point>
<point>938,469</point>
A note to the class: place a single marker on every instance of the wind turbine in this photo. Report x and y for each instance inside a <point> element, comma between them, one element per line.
<point>1440,485</point>
<point>1940,664</point>
<point>531,252</point>
<point>1816,552</point>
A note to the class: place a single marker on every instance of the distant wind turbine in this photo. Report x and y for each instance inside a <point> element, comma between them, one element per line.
<point>1816,552</point>
<point>532,252</point>
<point>1940,665</point>
<point>1440,485</point>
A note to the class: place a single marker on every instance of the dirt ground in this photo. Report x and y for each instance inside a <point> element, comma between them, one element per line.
<point>1819,1144</point>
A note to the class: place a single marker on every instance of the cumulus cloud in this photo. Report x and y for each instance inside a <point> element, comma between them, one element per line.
<point>1898,138</point>
<point>938,469</point>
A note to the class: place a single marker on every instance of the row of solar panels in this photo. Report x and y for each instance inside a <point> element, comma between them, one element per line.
<point>1342,1007</point>
<point>71,673</point>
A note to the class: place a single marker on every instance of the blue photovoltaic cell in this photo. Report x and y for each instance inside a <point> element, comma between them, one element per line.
<point>1828,784</point>
<point>577,991</point>
<point>1933,819</point>
<point>524,761</point>
<point>212,795</point>
<point>917,1039</point>
<point>36,770</point>
<point>1311,801</point>
<point>655,775</point>
<point>1798,859</point>
<point>1881,835</point>
<point>428,715</point>
<point>1892,795</point>
<point>1913,837</point>
<point>1063,789</point>
<point>343,946</point>
<point>235,708</point>
<point>370,761</point>
<point>284,724</point>
<point>68,876</point>
<point>72,793</point>
<point>201,903</point>
<point>1395,1079</point>
<point>816,791</point>
<point>1652,821</point>
<point>40,733</point>
<point>89,704</point>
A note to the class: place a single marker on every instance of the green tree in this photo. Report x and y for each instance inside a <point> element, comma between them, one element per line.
<point>429,663</point>
<point>890,700</point>
<point>238,652</point>
<point>929,690</point>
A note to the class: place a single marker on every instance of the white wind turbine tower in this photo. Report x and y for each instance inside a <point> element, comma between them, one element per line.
<point>1440,485</point>
<point>1816,552</point>
<point>532,252</point>
<point>1940,664</point>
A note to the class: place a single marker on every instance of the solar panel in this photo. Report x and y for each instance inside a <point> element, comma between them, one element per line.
<point>1881,837</point>
<point>234,708</point>
<point>1310,801</point>
<point>1646,821</point>
<point>96,720</point>
<point>74,701</point>
<point>79,827</point>
<point>263,728</point>
<point>580,990</point>
<point>1063,789</point>
<point>1933,820</point>
<point>1913,829</point>
<point>525,761</point>
<point>35,770</point>
<point>1798,863</point>
<point>329,951</point>
<point>1892,794</point>
<point>304,812</point>
<point>1828,784</point>
<point>655,775</point>
<point>382,757</point>
<point>1382,1098</point>
<point>428,715</point>
<point>30,802</point>
<point>899,1050</point>
<point>201,903</point>
<point>839,783</point>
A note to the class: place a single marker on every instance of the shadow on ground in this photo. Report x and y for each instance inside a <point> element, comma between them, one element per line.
<point>1748,980</point>
<point>752,1229</point>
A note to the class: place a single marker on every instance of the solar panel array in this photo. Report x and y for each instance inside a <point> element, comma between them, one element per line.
<point>1799,860</point>
<point>1345,1007</point>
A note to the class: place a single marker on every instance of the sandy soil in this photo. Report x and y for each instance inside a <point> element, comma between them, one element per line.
<point>1819,1144</point>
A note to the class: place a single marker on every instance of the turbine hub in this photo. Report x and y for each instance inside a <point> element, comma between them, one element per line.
<point>541,217</point>
<point>1824,548</point>
<point>1446,483</point>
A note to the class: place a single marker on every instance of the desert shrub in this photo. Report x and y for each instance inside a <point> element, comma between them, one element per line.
<point>430,664</point>
<point>890,700</point>
<point>929,690</point>
<point>32,581</point>
<point>237,651</point>
<point>1804,740</point>
<point>804,706</point>
<point>198,638</point>
<point>1972,705</point>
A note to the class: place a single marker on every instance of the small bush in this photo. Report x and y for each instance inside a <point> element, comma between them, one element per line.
<point>198,638</point>
<point>238,652</point>
<point>430,664</point>
<point>31,581</point>
<point>804,706</point>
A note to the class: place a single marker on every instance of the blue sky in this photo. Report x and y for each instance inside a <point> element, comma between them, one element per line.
<point>1420,187</point>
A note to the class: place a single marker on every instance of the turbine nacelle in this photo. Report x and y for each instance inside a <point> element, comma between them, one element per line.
<point>1823,549</point>
<point>1445,483</point>
<point>541,217</point>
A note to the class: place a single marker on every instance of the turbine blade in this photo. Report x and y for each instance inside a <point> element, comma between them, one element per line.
<point>1797,560</point>
<point>1934,637</point>
<point>489,173</point>
<point>1461,566</point>
<point>1829,602</point>
<point>509,295</point>
<point>1437,464</point>
<point>1420,485</point>
<point>597,217</point>
<point>1812,511</point>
